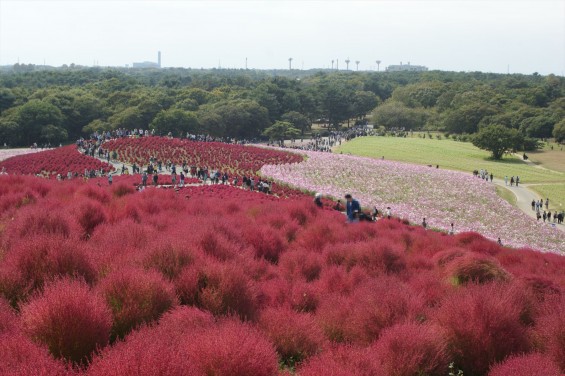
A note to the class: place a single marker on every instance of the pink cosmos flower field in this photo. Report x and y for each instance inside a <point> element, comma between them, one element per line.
<point>8,153</point>
<point>414,192</point>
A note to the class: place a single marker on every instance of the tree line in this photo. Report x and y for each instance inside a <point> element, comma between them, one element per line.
<point>60,105</point>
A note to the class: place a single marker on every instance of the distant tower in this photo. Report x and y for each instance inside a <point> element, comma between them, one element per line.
<point>289,63</point>
<point>159,58</point>
<point>378,64</point>
<point>357,63</point>
<point>347,64</point>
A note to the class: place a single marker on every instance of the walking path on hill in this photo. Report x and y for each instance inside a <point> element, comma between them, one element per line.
<point>524,198</point>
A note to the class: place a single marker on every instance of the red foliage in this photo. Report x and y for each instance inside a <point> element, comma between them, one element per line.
<point>342,361</point>
<point>361,317</point>
<point>69,319</point>
<point>20,356</point>
<point>412,349</point>
<point>296,335</point>
<point>549,331</point>
<point>476,268</point>
<point>237,160</point>
<point>136,297</point>
<point>483,324</point>
<point>32,262</point>
<point>53,162</point>
<point>526,365</point>
<point>225,289</point>
<point>232,348</point>
<point>300,274</point>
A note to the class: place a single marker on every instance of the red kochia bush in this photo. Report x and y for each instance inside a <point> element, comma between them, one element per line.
<point>69,319</point>
<point>20,356</point>
<point>473,267</point>
<point>361,317</point>
<point>136,297</point>
<point>43,257</point>
<point>483,324</point>
<point>412,349</point>
<point>342,361</point>
<point>155,350</point>
<point>295,335</point>
<point>232,349</point>
<point>549,331</point>
<point>8,320</point>
<point>226,290</point>
<point>526,365</point>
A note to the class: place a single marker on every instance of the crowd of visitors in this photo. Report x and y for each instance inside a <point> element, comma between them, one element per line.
<point>546,214</point>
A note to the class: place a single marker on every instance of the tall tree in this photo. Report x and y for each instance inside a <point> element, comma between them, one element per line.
<point>498,140</point>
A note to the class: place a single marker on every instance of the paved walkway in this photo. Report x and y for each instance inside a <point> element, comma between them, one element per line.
<point>524,197</point>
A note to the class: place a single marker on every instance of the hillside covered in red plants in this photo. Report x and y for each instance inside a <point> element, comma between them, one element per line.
<point>52,162</point>
<point>237,160</point>
<point>105,280</point>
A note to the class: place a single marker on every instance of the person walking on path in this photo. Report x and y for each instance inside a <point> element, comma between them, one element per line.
<point>512,181</point>
<point>388,212</point>
<point>491,177</point>
<point>451,230</point>
<point>534,205</point>
<point>352,208</point>
<point>110,179</point>
<point>424,224</point>
<point>547,203</point>
<point>517,180</point>
<point>144,179</point>
<point>506,180</point>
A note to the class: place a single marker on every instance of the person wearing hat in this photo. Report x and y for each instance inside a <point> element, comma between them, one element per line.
<point>318,200</point>
<point>353,208</point>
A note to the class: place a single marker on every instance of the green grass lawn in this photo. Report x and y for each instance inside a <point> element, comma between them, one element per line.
<point>448,154</point>
<point>506,194</point>
<point>461,156</point>
<point>555,192</point>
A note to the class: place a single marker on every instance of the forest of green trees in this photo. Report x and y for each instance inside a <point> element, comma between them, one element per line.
<point>63,104</point>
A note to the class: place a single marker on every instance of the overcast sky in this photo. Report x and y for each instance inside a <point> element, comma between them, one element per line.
<point>490,36</point>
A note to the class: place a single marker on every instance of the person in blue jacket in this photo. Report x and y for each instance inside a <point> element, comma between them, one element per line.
<point>353,208</point>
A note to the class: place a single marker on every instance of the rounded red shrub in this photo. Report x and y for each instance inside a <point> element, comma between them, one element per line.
<point>145,352</point>
<point>225,289</point>
<point>361,317</point>
<point>526,365</point>
<point>41,258</point>
<point>20,356</point>
<point>476,268</point>
<point>69,319</point>
<point>169,258</point>
<point>296,336</point>
<point>376,257</point>
<point>136,297</point>
<point>301,264</point>
<point>549,330</point>
<point>42,220</point>
<point>232,348</point>
<point>89,214</point>
<point>412,349</point>
<point>341,361</point>
<point>8,320</point>
<point>483,325</point>
<point>122,189</point>
<point>265,242</point>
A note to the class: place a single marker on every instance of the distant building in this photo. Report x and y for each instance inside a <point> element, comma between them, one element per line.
<point>149,64</point>
<point>406,68</point>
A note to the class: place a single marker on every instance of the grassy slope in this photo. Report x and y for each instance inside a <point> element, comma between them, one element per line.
<point>462,156</point>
